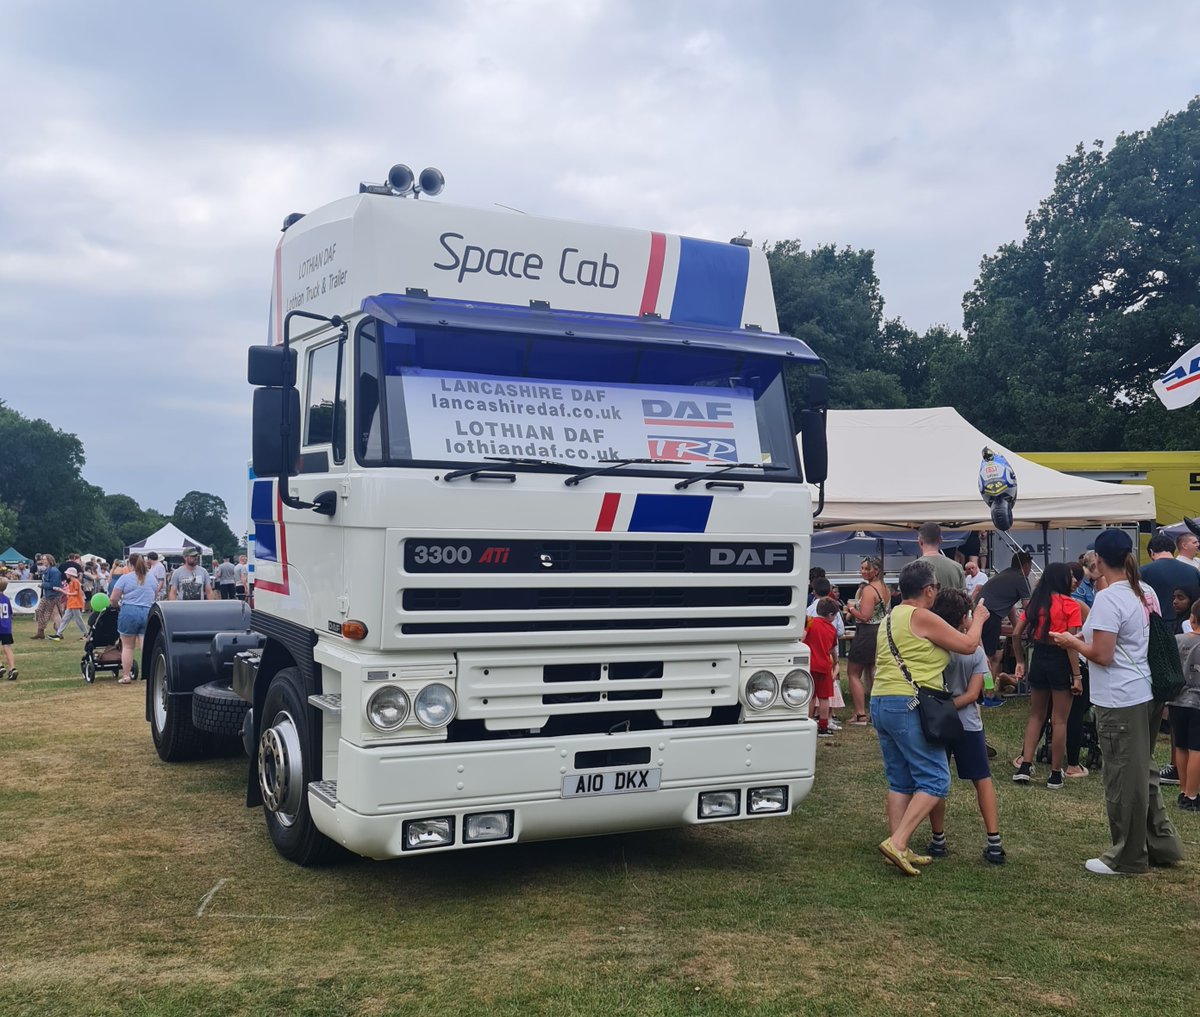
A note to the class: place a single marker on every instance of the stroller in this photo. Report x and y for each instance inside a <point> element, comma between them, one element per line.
<point>1089,746</point>
<point>102,646</point>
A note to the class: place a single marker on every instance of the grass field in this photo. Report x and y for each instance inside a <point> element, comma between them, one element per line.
<point>130,886</point>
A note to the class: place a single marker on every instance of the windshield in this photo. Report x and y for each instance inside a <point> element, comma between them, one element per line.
<point>433,396</point>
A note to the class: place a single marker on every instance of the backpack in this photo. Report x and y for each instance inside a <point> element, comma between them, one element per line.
<point>1162,655</point>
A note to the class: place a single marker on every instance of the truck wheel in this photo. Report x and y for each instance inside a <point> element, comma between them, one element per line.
<point>285,767</point>
<point>175,737</point>
<point>217,709</point>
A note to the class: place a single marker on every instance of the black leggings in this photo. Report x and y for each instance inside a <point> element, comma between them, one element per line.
<point>1079,706</point>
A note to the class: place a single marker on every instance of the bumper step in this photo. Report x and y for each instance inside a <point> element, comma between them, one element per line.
<point>329,703</point>
<point>326,790</point>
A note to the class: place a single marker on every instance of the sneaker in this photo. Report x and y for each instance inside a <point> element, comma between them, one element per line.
<point>825,734</point>
<point>1189,804</point>
<point>1055,783</point>
<point>991,750</point>
<point>888,850</point>
<point>12,675</point>
<point>994,855</point>
<point>57,638</point>
<point>936,850</point>
<point>990,702</point>
<point>1024,774</point>
<point>3,671</point>
<point>834,725</point>
<point>1168,775</point>
<point>1098,868</point>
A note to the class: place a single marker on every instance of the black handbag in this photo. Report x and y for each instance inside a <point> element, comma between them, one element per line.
<point>940,722</point>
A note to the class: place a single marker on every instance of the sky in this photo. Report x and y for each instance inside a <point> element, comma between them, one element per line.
<point>151,150</point>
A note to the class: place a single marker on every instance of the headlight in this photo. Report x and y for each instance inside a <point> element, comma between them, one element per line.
<point>435,706</point>
<point>387,708</point>
<point>797,688</point>
<point>761,689</point>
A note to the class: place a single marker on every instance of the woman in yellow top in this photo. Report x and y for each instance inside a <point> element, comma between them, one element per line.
<point>918,773</point>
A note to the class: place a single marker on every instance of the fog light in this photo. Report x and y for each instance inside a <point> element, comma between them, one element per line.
<point>761,689</point>
<point>428,833</point>
<point>714,804</point>
<point>487,826</point>
<point>766,799</point>
<point>797,688</point>
<point>387,708</point>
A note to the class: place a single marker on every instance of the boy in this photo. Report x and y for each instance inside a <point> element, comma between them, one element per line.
<point>74,591</point>
<point>6,637</point>
<point>821,640</point>
<point>964,680</point>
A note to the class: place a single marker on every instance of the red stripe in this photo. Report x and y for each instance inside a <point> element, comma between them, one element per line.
<point>654,271</point>
<point>608,512</point>
<point>283,587</point>
<point>1180,384</point>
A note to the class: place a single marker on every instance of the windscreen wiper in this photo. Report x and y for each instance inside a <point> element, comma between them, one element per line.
<point>685,484</point>
<point>615,464</point>
<point>511,460</point>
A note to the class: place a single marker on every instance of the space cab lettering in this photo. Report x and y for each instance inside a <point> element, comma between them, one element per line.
<point>574,268</point>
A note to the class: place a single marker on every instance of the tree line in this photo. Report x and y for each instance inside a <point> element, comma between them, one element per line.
<point>47,506</point>
<point>1063,333</point>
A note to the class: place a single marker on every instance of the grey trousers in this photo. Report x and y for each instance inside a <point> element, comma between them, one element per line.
<point>1142,835</point>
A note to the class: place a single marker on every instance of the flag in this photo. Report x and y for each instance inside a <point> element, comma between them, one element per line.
<point>1180,386</point>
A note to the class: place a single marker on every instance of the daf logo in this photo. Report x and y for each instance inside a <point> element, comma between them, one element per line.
<point>546,560</point>
<point>749,557</point>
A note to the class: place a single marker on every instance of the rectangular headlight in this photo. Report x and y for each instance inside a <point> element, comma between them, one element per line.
<point>766,799</point>
<point>487,826</point>
<point>715,804</point>
<point>427,833</point>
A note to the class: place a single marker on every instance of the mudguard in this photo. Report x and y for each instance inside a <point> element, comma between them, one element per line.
<point>188,628</point>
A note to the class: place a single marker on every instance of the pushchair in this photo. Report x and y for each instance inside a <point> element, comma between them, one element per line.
<point>1089,745</point>
<point>102,646</point>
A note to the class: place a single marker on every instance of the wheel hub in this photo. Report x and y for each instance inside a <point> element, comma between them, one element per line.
<point>281,768</point>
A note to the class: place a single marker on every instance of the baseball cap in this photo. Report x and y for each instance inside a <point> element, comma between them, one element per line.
<point>191,552</point>
<point>1112,545</point>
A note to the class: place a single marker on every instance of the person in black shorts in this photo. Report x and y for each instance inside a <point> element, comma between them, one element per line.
<point>1001,594</point>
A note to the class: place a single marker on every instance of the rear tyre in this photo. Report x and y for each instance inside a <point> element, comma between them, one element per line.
<point>286,763</point>
<point>175,736</point>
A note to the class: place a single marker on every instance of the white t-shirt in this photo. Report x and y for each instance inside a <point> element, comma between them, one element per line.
<point>974,582</point>
<point>1194,562</point>
<point>1126,681</point>
<point>158,572</point>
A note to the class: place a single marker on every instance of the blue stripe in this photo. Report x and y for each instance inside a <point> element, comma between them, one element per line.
<point>711,286</point>
<point>262,514</point>
<point>670,513</point>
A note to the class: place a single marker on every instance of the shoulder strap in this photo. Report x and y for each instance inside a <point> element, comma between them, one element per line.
<point>896,653</point>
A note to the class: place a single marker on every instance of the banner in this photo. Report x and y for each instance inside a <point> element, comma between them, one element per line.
<point>1180,386</point>
<point>454,416</point>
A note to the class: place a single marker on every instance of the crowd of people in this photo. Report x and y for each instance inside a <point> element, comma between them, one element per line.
<point>69,595</point>
<point>1079,638</point>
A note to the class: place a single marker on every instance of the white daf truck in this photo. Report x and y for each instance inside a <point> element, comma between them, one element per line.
<point>531,535</point>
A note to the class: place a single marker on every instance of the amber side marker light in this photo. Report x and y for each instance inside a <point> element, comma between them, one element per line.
<point>354,629</point>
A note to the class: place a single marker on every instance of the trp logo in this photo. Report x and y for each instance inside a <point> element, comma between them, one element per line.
<point>682,449</point>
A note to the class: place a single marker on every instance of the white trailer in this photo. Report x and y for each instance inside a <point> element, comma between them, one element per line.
<point>531,537</point>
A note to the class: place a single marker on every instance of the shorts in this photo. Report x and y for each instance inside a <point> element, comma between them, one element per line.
<point>970,756</point>
<point>991,633</point>
<point>131,619</point>
<point>1049,669</point>
<point>1185,727</point>
<point>823,685</point>
<point>862,649</point>
<point>6,639</point>
<point>910,763</point>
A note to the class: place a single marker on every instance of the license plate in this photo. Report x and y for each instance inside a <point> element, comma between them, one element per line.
<point>610,782</point>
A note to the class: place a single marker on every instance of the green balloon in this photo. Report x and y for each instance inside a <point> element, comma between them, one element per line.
<point>100,601</point>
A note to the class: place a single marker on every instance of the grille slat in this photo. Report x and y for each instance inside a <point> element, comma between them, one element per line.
<point>595,598</point>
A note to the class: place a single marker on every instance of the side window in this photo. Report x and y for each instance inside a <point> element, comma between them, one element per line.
<point>325,408</point>
<point>368,426</point>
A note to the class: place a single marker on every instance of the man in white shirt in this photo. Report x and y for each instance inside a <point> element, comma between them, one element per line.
<point>974,578</point>
<point>158,572</point>
<point>1186,546</point>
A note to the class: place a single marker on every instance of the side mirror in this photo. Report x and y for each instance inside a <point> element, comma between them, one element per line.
<point>276,429</point>
<point>818,391</point>
<point>271,366</point>
<point>813,446</point>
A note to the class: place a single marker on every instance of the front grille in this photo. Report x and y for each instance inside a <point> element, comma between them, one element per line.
<point>450,628</point>
<point>595,598</point>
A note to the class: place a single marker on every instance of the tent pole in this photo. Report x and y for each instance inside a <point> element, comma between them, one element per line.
<point>1046,544</point>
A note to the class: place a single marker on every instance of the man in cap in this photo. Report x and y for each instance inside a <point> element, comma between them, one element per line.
<point>191,581</point>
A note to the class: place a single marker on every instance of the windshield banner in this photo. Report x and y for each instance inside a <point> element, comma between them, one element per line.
<point>454,416</point>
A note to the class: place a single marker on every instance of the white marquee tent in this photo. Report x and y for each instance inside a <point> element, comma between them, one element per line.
<point>902,468</point>
<point>169,540</point>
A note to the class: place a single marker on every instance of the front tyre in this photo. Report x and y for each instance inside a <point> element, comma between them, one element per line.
<point>175,737</point>
<point>286,764</point>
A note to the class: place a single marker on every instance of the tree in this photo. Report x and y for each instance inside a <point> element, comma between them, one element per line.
<point>8,525</point>
<point>203,517</point>
<point>1071,326</point>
